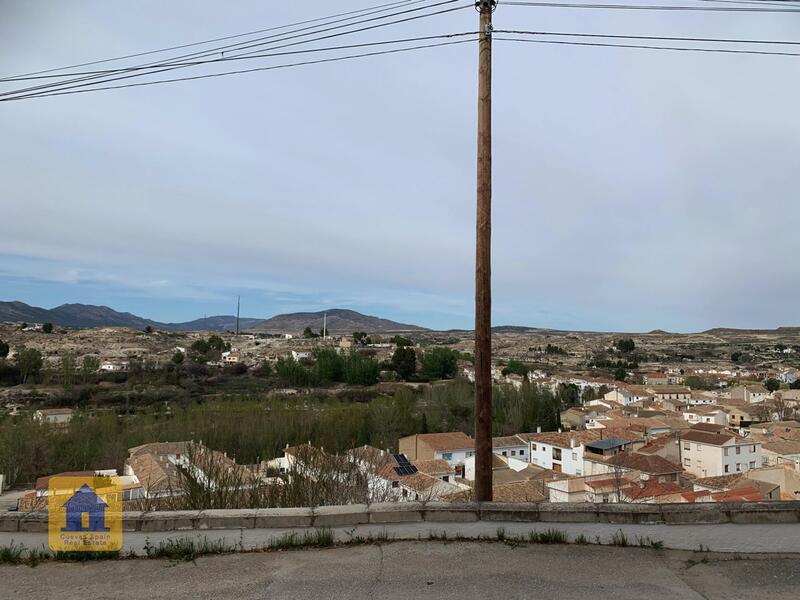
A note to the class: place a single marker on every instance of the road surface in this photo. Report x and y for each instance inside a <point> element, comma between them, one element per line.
<point>420,571</point>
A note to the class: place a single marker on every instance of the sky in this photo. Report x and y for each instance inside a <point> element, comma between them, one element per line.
<point>633,190</point>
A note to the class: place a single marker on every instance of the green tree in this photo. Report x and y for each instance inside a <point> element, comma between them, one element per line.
<point>178,358</point>
<point>148,329</point>
<point>330,365</point>
<point>399,340</point>
<point>360,370</point>
<point>404,362</point>
<point>361,337</point>
<point>515,367</point>
<point>47,328</point>
<point>440,363</point>
<point>69,368</point>
<point>795,385</point>
<point>29,361</point>
<point>620,374</point>
<point>773,385</point>
<point>3,349</point>
<point>90,367</point>
<point>626,345</point>
<point>309,334</point>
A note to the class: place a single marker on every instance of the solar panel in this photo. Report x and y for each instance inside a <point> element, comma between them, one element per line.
<point>405,470</point>
<point>401,460</point>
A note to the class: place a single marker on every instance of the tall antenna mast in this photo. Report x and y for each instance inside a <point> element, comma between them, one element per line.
<point>324,325</point>
<point>238,304</point>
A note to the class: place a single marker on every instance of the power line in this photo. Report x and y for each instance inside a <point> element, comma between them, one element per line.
<point>647,47</point>
<point>649,37</point>
<point>157,66</point>
<point>211,41</point>
<point>653,7</point>
<point>209,75</point>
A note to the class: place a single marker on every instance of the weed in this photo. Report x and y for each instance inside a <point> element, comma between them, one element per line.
<point>12,554</point>
<point>186,549</point>
<point>550,536</point>
<point>501,534</point>
<point>646,542</point>
<point>581,539</point>
<point>619,539</point>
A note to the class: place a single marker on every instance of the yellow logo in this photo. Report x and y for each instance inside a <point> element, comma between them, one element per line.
<point>84,514</point>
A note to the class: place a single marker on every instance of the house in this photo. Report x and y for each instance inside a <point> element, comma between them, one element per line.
<point>453,447</point>
<point>628,394</point>
<point>114,367</point>
<point>706,414</point>
<point>298,355</point>
<point>402,480</point>
<point>53,416</point>
<point>781,452</point>
<point>511,446</point>
<point>656,379</point>
<point>647,466</point>
<point>750,393</point>
<point>670,392</point>
<point>740,416</point>
<point>161,469</point>
<point>709,454</point>
<point>231,357</point>
<point>560,452</point>
<point>702,398</point>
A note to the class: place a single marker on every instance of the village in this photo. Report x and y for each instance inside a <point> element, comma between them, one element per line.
<point>714,431</point>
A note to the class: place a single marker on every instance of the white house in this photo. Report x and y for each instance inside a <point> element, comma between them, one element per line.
<point>300,355</point>
<point>512,446</point>
<point>750,393</point>
<point>704,414</point>
<point>709,454</point>
<point>560,452</point>
<point>453,447</point>
<point>54,416</point>
<point>628,395</point>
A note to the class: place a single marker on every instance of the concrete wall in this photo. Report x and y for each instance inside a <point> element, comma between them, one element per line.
<point>438,512</point>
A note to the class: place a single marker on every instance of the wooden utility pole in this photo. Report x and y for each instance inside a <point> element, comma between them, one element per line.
<point>483,262</point>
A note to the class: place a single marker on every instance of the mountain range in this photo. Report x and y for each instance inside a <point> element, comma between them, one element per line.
<point>87,315</point>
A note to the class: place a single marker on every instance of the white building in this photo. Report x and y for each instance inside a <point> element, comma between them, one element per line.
<point>702,414</point>
<point>511,446</point>
<point>300,355</point>
<point>54,416</point>
<point>709,454</point>
<point>560,452</point>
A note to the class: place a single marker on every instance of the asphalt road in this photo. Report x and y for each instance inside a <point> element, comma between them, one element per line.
<point>419,571</point>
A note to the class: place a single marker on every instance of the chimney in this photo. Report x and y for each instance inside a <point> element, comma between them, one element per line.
<point>538,429</point>
<point>559,430</point>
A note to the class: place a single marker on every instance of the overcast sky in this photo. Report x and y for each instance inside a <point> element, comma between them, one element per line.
<point>634,189</point>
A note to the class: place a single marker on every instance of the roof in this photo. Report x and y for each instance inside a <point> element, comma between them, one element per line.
<point>432,467</point>
<point>607,443</point>
<point>656,444</point>
<point>720,482</point>
<point>708,427</point>
<point>564,439</point>
<point>707,437</point>
<point>653,489</point>
<point>670,389</point>
<point>509,441</point>
<point>56,411</point>
<point>43,482</point>
<point>519,491</point>
<point>454,440</point>
<point>783,447</point>
<point>652,464</point>
<point>747,494</point>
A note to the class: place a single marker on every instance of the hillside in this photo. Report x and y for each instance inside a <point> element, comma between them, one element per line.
<point>86,315</point>
<point>339,321</point>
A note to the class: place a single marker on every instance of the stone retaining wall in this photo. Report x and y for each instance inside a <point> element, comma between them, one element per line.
<point>436,512</point>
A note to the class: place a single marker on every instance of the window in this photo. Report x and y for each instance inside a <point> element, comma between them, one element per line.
<point>738,449</point>
<point>574,456</point>
<point>687,446</point>
<point>395,484</point>
<point>447,456</point>
<point>505,453</point>
<point>738,466</point>
<point>522,452</point>
<point>446,478</point>
<point>405,493</point>
<point>752,464</point>
<point>556,453</point>
<point>752,449</point>
<point>727,468</point>
<point>725,451</point>
<point>470,454</point>
<point>687,462</point>
<point>513,453</point>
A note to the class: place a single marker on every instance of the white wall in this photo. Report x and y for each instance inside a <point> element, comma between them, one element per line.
<point>571,461</point>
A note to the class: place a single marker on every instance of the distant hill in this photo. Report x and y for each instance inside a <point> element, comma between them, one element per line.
<point>71,315</point>
<point>339,321</point>
<point>86,315</point>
